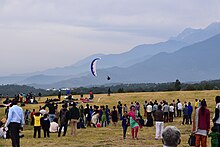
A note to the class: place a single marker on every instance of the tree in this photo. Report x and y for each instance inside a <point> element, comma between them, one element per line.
<point>177,85</point>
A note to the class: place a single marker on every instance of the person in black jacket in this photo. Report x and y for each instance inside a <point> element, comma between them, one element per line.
<point>51,111</point>
<point>64,115</point>
<point>88,115</point>
<point>45,123</point>
<point>73,116</point>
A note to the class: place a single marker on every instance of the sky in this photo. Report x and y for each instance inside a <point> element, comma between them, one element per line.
<point>39,34</point>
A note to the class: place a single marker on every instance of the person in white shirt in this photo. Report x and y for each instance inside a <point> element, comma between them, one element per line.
<point>171,137</point>
<point>180,108</point>
<point>43,111</point>
<point>149,109</point>
<point>54,126</point>
<point>171,112</point>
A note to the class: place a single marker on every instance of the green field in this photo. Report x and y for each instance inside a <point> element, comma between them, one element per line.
<point>112,136</point>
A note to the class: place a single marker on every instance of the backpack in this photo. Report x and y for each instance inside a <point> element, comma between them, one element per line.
<point>63,118</point>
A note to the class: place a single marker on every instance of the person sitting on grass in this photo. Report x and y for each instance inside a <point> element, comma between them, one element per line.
<point>54,126</point>
<point>171,137</point>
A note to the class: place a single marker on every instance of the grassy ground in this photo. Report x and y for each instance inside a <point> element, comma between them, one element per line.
<point>112,136</point>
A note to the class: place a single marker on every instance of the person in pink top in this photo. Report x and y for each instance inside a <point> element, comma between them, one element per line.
<point>134,122</point>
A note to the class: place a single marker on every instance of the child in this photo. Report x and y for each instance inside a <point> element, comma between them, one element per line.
<point>214,137</point>
<point>45,123</point>
<point>37,124</point>
<point>125,124</point>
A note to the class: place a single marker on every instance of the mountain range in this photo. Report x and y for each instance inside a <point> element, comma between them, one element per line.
<point>190,56</point>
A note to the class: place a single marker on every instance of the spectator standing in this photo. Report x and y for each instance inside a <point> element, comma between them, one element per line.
<point>171,112</point>
<point>180,108</point>
<point>166,112</point>
<point>15,122</point>
<point>88,115</point>
<point>190,111</point>
<point>159,118</point>
<point>32,117</point>
<point>145,108</point>
<point>214,137</point>
<point>216,119</point>
<point>64,116</point>
<point>185,115</point>
<point>134,123</point>
<point>124,124</point>
<point>155,107</point>
<point>114,115</point>
<point>107,115</point>
<point>52,111</point>
<point>59,94</point>
<point>174,105</point>
<point>37,124</point>
<point>45,123</point>
<point>149,109</point>
<point>201,124</point>
<point>39,96</point>
<point>119,106</point>
<point>125,108</point>
<point>74,116</point>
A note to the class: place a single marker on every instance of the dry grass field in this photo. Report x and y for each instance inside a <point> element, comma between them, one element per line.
<point>112,136</point>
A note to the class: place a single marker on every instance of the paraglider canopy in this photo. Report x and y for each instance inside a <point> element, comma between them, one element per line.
<point>108,78</point>
<point>93,66</point>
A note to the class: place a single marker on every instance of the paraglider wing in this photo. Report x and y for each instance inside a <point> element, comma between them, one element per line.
<point>108,78</point>
<point>93,66</point>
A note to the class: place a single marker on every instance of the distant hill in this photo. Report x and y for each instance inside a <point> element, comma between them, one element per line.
<point>149,56</point>
<point>12,90</point>
<point>141,52</point>
<point>191,36</point>
<point>196,62</point>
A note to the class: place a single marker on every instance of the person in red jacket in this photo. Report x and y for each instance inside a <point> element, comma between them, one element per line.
<point>201,124</point>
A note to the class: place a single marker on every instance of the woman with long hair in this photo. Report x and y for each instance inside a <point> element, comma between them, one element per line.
<point>201,124</point>
<point>134,122</point>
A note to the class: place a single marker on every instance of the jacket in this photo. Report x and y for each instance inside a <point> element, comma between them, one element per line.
<point>74,113</point>
<point>159,115</point>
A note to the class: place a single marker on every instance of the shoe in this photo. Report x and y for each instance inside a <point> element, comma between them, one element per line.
<point>156,138</point>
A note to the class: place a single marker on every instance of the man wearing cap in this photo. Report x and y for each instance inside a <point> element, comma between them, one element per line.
<point>15,122</point>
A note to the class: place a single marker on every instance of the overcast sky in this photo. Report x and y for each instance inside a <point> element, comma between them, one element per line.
<point>40,34</point>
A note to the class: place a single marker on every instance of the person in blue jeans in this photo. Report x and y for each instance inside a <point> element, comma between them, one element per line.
<point>190,111</point>
<point>120,110</point>
<point>124,124</point>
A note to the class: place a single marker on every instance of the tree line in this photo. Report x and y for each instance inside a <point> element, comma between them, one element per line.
<point>12,90</point>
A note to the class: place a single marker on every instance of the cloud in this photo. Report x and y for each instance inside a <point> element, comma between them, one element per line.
<point>40,34</point>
